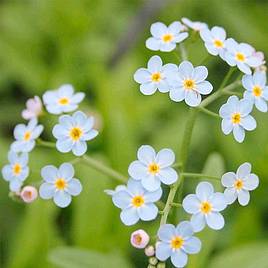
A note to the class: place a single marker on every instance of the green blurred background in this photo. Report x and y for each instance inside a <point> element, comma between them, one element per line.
<point>97,45</point>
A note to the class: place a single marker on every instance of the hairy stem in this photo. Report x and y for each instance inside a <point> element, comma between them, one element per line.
<point>47,144</point>
<point>199,175</point>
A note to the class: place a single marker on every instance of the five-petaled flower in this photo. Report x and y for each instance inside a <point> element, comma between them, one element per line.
<point>239,184</point>
<point>205,206</point>
<point>26,135</point>
<point>59,184</point>
<point>155,76</point>
<point>241,55</point>
<point>214,40</point>
<point>164,38</point>
<point>236,117</point>
<point>33,108</point>
<point>62,100</point>
<point>136,203</point>
<point>152,168</point>
<point>256,89</point>
<point>73,131</point>
<point>177,242</point>
<point>189,83</point>
<point>16,171</point>
<point>195,25</point>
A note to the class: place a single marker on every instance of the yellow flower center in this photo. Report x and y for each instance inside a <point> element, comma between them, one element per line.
<point>137,239</point>
<point>76,133</point>
<point>257,91</point>
<point>64,101</point>
<point>177,242</point>
<point>218,43</point>
<point>167,37</point>
<point>27,135</point>
<point>17,169</point>
<point>238,184</point>
<point>236,118</point>
<point>156,77</point>
<point>206,207</point>
<point>240,56</point>
<point>153,168</point>
<point>60,184</point>
<point>137,201</point>
<point>189,84</point>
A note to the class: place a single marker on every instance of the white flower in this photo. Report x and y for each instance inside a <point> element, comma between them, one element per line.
<point>256,90</point>
<point>59,184</point>
<point>241,55</point>
<point>152,168</point>
<point>236,117</point>
<point>195,25</point>
<point>16,171</point>
<point>189,84</point>
<point>25,136</point>
<point>155,76</point>
<point>239,184</point>
<point>33,108</point>
<point>214,40</point>
<point>62,100</point>
<point>205,206</point>
<point>165,38</point>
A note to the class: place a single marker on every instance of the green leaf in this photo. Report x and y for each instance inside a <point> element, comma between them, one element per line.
<point>248,256</point>
<point>68,257</point>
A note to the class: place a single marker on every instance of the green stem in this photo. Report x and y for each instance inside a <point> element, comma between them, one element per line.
<point>226,78</point>
<point>206,111</point>
<point>103,169</point>
<point>199,175</point>
<point>176,205</point>
<point>183,51</point>
<point>184,153</point>
<point>47,144</point>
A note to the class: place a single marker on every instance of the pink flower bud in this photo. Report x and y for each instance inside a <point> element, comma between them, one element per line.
<point>28,194</point>
<point>139,239</point>
<point>33,108</point>
<point>149,251</point>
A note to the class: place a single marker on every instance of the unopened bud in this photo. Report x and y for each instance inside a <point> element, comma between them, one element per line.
<point>149,251</point>
<point>153,260</point>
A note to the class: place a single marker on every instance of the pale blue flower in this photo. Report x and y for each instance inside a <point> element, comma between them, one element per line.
<point>241,55</point>
<point>136,203</point>
<point>214,40</point>
<point>152,168</point>
<point>189,84</point>
<point>256,89</point>
<point>177,242</point>
<point>59,184</point>
<point>117,189</point>
<point>239,184</point>
<point>155,76</point>
<point>195,25</point>
<point>26,135</point>
<point>165,38</point>
<point>16,171</point>
<point>62,100</point>
<point>205,207</point>
<point>236,117</point>
<point>73,131</point>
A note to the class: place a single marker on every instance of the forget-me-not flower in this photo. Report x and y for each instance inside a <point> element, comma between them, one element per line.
<point>256,89</point>
<point>136,203</point>
<point>155,76</point>
<point>26,135</point>
<point>59,184</point>
<point>165,38</point>
<point>236,117</point>
<point>239,184</point>
<point>177,242</point>
<point>205,207</point>
<point>241,55</point>
<point>214,40</point>
<point>189,83</point>
<point>195,25</point>
<point>33,108</point>
<point>62,100</point>
<point>16,171</point>
<point>152,168</point>
<point>73,131</point>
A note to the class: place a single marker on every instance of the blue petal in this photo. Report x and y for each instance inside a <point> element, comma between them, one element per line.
<point>62,199</point>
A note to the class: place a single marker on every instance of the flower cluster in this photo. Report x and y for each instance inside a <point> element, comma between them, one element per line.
<point>72,133</point>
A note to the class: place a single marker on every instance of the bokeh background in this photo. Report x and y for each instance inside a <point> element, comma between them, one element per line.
<point>97,45</point>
